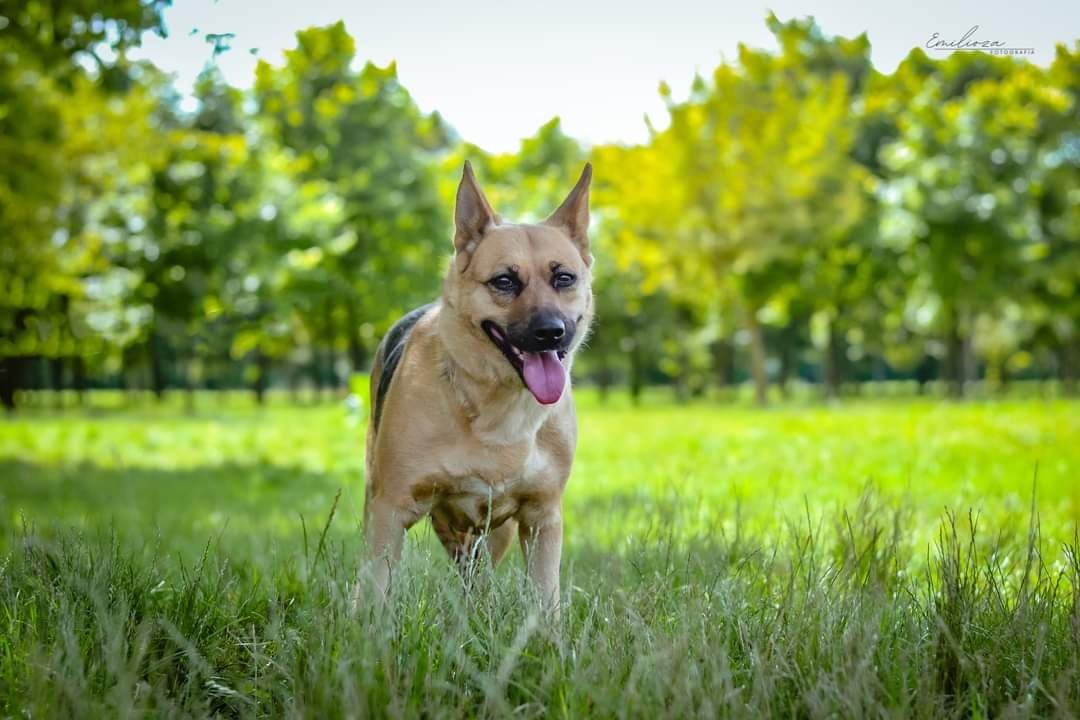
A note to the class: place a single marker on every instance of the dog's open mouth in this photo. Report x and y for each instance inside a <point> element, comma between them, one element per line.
<point>542,372</point>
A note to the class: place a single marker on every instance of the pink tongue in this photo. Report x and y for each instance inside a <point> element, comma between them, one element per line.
<point>544,375</point>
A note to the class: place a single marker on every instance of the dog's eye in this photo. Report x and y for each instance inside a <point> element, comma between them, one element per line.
<point>505,283</point>
<point>562,280</point>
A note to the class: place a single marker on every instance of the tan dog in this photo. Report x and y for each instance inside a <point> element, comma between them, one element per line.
<point>472,421</point>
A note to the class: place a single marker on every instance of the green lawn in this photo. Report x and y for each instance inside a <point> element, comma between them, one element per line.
<point>719,559</point>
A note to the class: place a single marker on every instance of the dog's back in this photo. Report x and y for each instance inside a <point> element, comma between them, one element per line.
<point>387,358</point>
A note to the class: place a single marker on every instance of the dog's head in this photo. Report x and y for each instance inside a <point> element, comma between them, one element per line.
<point>520,294</point>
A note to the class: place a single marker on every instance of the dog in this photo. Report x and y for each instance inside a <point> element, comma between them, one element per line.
<point>472,422</point>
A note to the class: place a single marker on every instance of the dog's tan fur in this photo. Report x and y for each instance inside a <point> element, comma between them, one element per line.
<point>460,438</point>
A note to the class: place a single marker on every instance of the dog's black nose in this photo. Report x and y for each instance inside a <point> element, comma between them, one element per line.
<point>548,330</point>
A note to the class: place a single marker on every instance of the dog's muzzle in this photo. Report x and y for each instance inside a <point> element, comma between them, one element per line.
<point>537,351</point>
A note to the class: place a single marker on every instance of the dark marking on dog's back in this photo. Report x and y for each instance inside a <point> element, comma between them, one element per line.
<point>393,347</point>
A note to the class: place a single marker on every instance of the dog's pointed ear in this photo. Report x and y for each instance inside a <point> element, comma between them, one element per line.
<point>573,215</point>
<point>473,215</point>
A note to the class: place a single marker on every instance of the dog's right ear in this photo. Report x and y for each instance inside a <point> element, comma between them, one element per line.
<point>473,215</point>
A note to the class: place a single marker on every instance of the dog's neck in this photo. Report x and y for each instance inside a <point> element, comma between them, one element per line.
<point>500,411</point>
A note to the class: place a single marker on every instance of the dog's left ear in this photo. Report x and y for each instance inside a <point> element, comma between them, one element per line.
<point>573,215</point>
<point>473,215</point>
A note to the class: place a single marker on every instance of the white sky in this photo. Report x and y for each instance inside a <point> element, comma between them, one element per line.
<point>498,70</point>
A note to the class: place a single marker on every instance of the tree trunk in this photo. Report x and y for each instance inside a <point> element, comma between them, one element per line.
<point>357,351</point>
<point>157,365</point>
<point>11,371</point>
<point>832,364</point>
<point>603,378</point>
<point>56,381</point>
<point>189,398</point>
<point>327,376</point>
<point>294,385</point>
<point>879,369</point>
<point>637,372</point>
<point>262,368</point>
<point>682,380</point>
<point>130,372</point>
<point>1069,365</point>
<point>723,355</point>
<point>683,360</point>
<point>954,357</point>
<point>324,356</point>
<point>788,337</point>
<point>78,378</point>
<point>924,373</point>
<point>189,388</point>
<point>13,368</point>
<point>315,371</point>
<point>757,358</point>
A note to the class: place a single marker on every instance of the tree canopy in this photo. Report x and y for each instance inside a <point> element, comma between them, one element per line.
<point>798,215</point>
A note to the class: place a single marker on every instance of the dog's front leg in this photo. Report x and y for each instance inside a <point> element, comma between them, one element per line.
<point>385,530</point>
<point>541,542</point>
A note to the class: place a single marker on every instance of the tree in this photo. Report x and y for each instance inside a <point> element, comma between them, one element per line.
<point>54,36</point>
<point>1054,303</point>
<point>960,197</point>
<point>640,280</point>
<point>42,49</point>
<point>361,133</point>
<point>761,174</point>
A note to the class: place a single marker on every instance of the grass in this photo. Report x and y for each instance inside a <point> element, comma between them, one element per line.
<point>877,558</point>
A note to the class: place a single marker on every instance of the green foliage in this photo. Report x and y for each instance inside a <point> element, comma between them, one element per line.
<point>747,202</point>
<point>798,215</point>
<point>55,36</point>
<point>362,135</point>
<point>57,148</point>
<point>907,217</point>
<point>963,201</point>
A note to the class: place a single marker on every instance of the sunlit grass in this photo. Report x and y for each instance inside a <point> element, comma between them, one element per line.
<point>245,470</point>
<point>719,559</point>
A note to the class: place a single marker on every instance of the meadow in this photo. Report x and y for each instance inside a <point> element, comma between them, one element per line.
<point>884,557</point>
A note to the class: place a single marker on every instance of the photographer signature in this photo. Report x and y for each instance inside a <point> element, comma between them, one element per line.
<point>968,41</point>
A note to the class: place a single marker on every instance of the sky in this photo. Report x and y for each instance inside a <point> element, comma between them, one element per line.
<point>496,71</point>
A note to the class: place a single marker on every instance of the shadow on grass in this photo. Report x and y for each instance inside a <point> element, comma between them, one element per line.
<point>249,505</point>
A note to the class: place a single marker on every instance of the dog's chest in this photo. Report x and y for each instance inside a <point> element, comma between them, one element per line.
<point>476,505</point>
<point>478,494</point>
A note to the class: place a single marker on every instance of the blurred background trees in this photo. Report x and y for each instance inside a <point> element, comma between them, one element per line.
<point>800,216</point>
